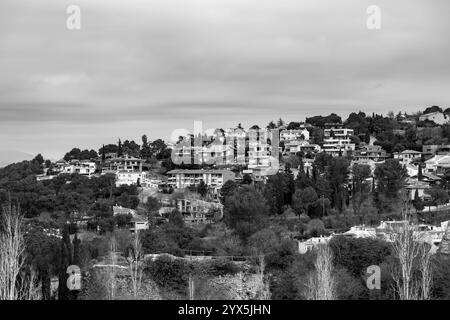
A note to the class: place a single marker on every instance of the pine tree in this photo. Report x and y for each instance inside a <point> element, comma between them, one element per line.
<point>419,174</point>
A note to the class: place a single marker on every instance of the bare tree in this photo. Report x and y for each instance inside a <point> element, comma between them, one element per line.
<point>263,292</point>
<point>406,248</point>
<point>112,270</point>
<point>135,265</point>
<point>15,284</point>
<point>321,282</point>
<point>191,287</point>
<point>426,271</point>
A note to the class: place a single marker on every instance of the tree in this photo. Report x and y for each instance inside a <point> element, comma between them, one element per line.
<point>146,152</point>
<point>271,125</point>
<point>227,189</point>
<point>39,159</point>
<point>361,187</point>
<point>111,277</point>
<point>202,188</point>
<point>246,211</point>
<point>390,177</point>
<point>419,173</point>
<point>152,206</point>
<point>14,283</point>
<point>315,228</point>
<point>337,175</point>
<point>278,191</point>
<point>438,195</point>
<point>417,202</point>
<point>280,122</point>
<point>433,109</point>
<point>63,291</point>
<point>407,248</point>
<point>246,179</point>
<point>264,242</point>
<point>103,154</point>
<point>76,250</point>
<point>136,265</point>
<point>119,148</point>
<point>302,199</point>
<point>356,255</point>
<point>321,282</point>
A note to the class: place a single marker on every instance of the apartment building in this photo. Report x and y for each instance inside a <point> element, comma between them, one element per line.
<point>125,163</point>
<point>187,178</point>
<point>374,153</point>
<point>337,140</point>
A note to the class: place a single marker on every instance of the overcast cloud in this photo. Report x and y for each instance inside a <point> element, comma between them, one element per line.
<point>151,66</point>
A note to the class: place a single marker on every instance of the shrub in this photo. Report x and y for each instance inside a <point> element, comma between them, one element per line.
<point>169,272</point>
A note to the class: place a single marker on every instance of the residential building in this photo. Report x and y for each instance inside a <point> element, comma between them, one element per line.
<point>199,211</point>
<point>125,163</point>
<point>187,178</point>
<point>405,157</point>
<point>438,164</point>
<point>437,117</point>
<point>368,152</point>
<point>312,243</point>
<point>337,140</point>
<point>83,167</point>
<point>138,223</point>
<point>361,232</point>
<point>336,130</point>
<point>431,150</point>
<point>129,177</point>
<point>294,135</point>
<point>338,146</point>
<point>293,147</point>
<point>119,210</point>
<point>420,187</point>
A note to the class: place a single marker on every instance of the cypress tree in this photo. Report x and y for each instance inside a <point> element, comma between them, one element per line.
<point>103,154</point>
<point>119,150</point>
<point>419,174</point>
<point>63,291</point>
<point>76,250</point>
<point>67,243</point>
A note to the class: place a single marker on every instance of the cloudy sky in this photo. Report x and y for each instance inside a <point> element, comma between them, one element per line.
<point>152,66</point>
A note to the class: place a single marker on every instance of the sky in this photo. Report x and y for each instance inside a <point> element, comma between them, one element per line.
<point>153,66</point>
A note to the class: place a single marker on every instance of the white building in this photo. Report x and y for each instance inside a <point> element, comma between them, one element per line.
<point>294,135</point>
<point>337,146</point>
<point>361,232</point>
<point>293,147</point>
<point>337,140</point>
<point>438,117</point>
<point>86,168</point>
<point>129,177</point>
<point>407,156</point>
<point>187,178</point>
<point>438,164</point>
<point>310,244</point>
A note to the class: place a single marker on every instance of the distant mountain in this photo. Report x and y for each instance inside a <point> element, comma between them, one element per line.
<point>11,156</point>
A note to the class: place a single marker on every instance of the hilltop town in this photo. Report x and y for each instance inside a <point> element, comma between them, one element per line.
<point>240,205</point>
